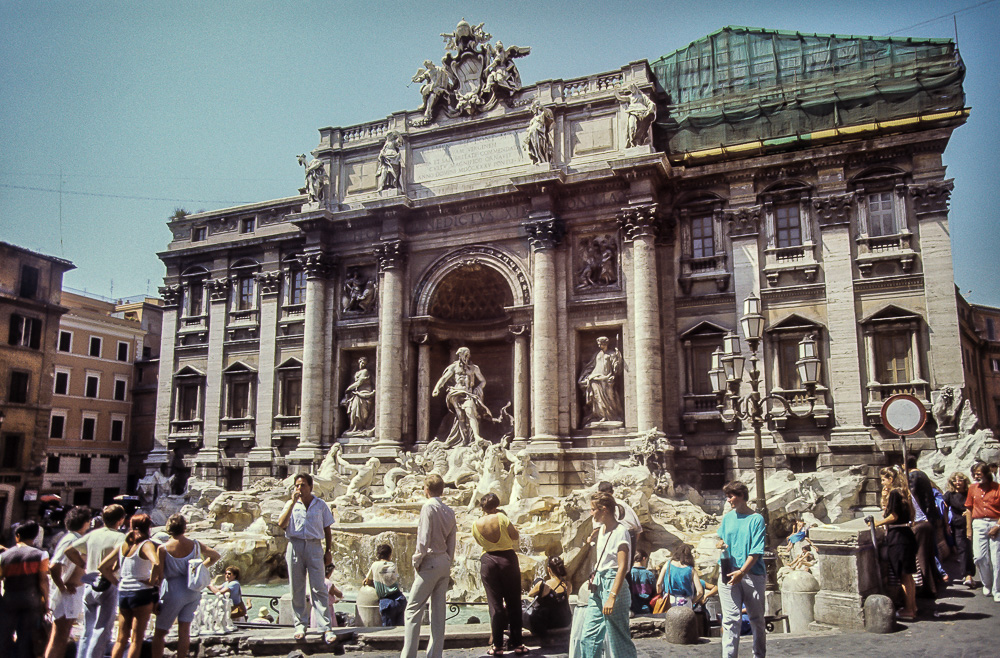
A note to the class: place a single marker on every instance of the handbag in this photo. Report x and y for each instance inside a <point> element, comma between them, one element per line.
<point>663,604</point>
<point>238,612</point>
<point>198,576</point>
<point>102,584</point>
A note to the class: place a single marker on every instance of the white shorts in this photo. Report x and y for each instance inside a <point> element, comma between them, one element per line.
<point>67,606</point>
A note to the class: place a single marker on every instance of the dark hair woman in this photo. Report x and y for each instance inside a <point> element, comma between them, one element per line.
<point>550,608</point>
<point>178,602</point>
<point>501,573</point>
<point>139,568</point>
<point>607,611</point>
<point>958,491</point>
<point>901,544</point>
<point>680,579</point>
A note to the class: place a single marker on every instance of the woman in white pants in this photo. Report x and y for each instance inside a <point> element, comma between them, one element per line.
<point>983,509</point>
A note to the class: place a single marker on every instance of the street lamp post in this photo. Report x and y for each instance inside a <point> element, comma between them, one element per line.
<point>726,376</point>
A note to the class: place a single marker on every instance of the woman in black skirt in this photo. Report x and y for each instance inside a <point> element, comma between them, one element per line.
<point>901,544</point>
<point>501,573</point>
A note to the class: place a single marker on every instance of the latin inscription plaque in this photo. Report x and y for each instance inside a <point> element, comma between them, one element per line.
<point>467,156</point>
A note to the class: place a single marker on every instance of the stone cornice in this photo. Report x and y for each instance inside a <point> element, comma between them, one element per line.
<point>269,282</point>
<point>171,294</point>
<point>218,289</point>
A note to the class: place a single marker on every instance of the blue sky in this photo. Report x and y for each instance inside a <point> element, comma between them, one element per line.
<point>202,105</point>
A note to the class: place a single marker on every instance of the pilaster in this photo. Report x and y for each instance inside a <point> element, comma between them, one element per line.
<point>159,456</point>
<point>545,233</point>
<point>391,255</point>
<point>207,461</point>
<point>261,455</point>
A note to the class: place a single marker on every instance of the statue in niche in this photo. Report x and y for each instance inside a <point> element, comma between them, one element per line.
<point>437,86</point>
<point>640,112</point>
<point>390,159</point>
<point>358,294</point>
<point>359,399</point>
<point>599,381</point>
<point>316,178</point>
<point>464,397</point>
<point>538,136</point>
<point>599,266</point>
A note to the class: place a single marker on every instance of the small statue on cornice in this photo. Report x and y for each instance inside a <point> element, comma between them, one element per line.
<point>437,86</point>
<point>388,173</point>
<point>538,136</point>
<point>316,178</point>
<point>640,113</point>
<point>501,73</point>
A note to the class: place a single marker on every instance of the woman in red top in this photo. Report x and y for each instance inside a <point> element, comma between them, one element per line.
<point>983,508</point>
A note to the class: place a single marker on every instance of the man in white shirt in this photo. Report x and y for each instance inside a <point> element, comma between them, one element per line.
<point>306,521</point>
<point>66,590</point>
<point>432,560</point>
<point>87,553</point>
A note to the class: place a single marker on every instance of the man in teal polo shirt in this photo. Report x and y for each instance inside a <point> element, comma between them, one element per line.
<point>742,576</point>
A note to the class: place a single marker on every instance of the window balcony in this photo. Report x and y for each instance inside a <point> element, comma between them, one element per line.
<point>185,430</point>
<point>879,393</point>
<point>800,259</point>
<point>885,248</point>
<point>705,268</point>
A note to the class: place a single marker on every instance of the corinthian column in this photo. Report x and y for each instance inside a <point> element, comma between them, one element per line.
<point>159,456</point>
<point>640,225</point>
<point>260,459</point>
<point>544,235</point>
<point>389,402</point>
<point>317,267</point>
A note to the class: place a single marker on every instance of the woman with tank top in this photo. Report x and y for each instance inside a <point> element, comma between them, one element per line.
<point>138,573</point>
<point>500,573</point>
<point>550,608</point>
<point>679,578</point>
<point>177,601</point>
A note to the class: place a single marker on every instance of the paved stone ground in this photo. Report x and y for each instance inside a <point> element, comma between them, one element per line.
<point>966,624</point>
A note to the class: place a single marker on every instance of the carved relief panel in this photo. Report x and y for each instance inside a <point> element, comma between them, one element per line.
<point>596,263</point>
<point>358,292</point>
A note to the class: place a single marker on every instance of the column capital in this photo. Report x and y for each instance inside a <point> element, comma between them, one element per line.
<point>641,221</point>
<point>834,209</point>
<point>545,233</point>
<point>931,197</point>
<point>317,264</point>
<point>218,289</point>
<point>171,294</point>
<point>391,255</point>
<point>744,222</point>
<point>269,282</point>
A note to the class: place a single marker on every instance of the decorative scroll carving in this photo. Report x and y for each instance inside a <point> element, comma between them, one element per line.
<point>316,178</point>
<point>269,282</point>
<point>834,210</point>
<point>932,197</point>
<point>474,76</point>
<point>639,221</point>
<point>391,255</point>
<point>538,136</point>
<point>744,222</point>
<point>317,265</point>
<point>218,289</point>
<point>598,262</point>
<point>358,293</point>
<point>545,233</point>
<point>171,294</point>
<point>388,173</point>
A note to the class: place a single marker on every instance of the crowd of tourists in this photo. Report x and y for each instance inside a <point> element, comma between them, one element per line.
<point>111,578</point>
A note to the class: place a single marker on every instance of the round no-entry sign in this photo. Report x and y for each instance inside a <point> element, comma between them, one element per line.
<point>903,414</point>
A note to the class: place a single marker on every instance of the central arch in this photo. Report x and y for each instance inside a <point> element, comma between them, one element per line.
<point>501,262</point>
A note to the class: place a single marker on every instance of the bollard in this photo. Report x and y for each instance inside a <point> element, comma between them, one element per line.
<point>367,608</point>
<point>680,625</point>
<point>880,614</point>
<point>798,596</point>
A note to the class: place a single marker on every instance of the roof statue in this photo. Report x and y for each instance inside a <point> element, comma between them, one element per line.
<point>473,77</point>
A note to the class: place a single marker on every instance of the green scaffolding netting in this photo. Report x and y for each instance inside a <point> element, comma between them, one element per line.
<point>744,84</point>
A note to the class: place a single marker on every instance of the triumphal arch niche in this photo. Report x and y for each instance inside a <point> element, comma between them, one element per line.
<point>553,265</point>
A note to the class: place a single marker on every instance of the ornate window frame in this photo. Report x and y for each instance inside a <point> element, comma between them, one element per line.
<point>785,335</point>
<point>704,268</point>
<point>238,427</point>
<point>790,259</point>
<point>187,378</point>
<point>287,424</point>
<point>192,320</point>
<point>895,247</point>
<point>699,406</point>
<point>891,320</point>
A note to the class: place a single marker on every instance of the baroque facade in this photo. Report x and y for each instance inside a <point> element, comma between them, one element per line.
<point>590,241</point>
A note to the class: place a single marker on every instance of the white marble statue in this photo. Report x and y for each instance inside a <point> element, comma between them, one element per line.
<point>316,178</point>
<point>361,484</point>
<point>501,75</point>
<point>494,476</point>
<point>599,381</point>
<point>359,399</point>
<point>388,173</point>
<point>152,486</point>
<point>640,113</point>
<point>464,397</point>
<point>526,477</point>
<point>538,136</point>
<point>436,87</point>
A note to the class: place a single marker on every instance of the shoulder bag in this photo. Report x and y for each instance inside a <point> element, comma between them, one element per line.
<point>198,576</point>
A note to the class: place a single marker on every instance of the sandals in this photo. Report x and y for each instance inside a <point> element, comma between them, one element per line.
<point>329,637</point>
<point>521,650</point>
<point>299,636</point>
<point>493,651</point>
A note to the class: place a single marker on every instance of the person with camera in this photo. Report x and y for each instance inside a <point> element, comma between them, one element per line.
<point>741,571</point>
